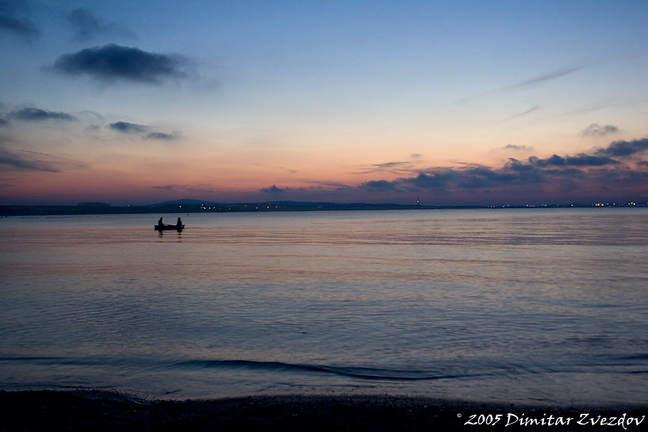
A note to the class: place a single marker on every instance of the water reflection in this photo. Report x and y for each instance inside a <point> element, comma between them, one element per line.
<point>529,301</point>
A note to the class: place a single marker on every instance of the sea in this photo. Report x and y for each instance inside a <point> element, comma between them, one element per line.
<point>511,305</point>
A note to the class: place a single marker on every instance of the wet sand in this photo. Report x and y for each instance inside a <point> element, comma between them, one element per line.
<point>107,411</point>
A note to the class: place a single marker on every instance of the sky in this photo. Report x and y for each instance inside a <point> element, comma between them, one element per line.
<point>449,102</point>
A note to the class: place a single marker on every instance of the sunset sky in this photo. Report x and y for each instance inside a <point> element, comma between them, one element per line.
<point>454,102</point>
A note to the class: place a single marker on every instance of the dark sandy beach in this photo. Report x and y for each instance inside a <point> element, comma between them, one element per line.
<point>106,411</point>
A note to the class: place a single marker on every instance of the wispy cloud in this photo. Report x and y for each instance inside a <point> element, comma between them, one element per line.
<point>525,112</point>
<point>113,63</point>
<point>596,130</point>
<point>529,83</point>
<point>14,19</point>
<point>161,136</point>
<point>23,161</point>
<point>37,114</point>
<point>517,147</point>
<point>543,78</point>
<point>169,187</point>
<point>398,167</point>
<point>390,166</point>
<point>88,26</point>
<point>134,128</point>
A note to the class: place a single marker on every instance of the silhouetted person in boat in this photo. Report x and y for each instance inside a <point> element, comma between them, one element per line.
<point>179,223</point>
<point>160,224</point>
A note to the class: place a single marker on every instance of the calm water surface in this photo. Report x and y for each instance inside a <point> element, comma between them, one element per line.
<point>511,305</point>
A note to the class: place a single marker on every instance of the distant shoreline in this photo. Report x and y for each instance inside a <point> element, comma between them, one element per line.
<point>107,411</point>
<point>197,207</point>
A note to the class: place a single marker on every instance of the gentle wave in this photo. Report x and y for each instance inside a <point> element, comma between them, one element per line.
<point>353,372</point>
<point>275,366</point>
<point>358,372</point>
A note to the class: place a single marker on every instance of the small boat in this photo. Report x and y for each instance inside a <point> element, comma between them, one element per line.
<point>168,227</point>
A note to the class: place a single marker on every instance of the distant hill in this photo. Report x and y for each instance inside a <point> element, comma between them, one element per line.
<point>198,206</point>
<point>191,206</point>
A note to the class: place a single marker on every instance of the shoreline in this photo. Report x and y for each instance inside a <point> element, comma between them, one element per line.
<point>95,209</point>
<point>40,410</point>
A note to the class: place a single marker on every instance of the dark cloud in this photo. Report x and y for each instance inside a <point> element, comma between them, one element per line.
<point>3,122</point>
<point>14,19</point>
<point>380,185</point>
<point>479,177</point>
<point>272,189</point>
<point>328,185</point>
<point>525,179</point>
<point>126,127</point>
<point>37,114</point>
<point>24,161</point>
<point>617,179</point>
<point>600,174</point>
<point>624,148</point>
<point>161,136</point>
<point>474,177</point>
<point>88,26</point>
<point>525,173</point>
<point>580,160</point>
<point>597,130</point>
<point>134,128</point>
<point>432,179</point>
<point>112,63</point>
